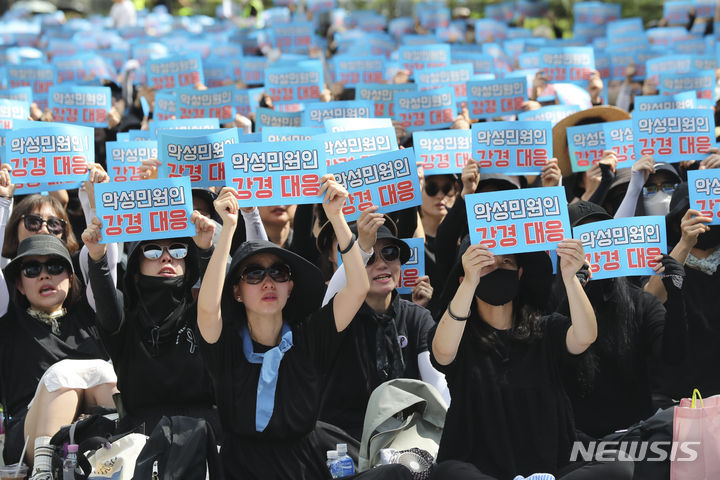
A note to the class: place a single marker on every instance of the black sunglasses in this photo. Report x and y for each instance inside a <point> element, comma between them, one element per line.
<point>432,188</point>
<point>153,251</point>
<point>254,274</point>
<point>33,223</point>
<point>52,267</point>
<point>389,253</point>
<point>652,189</point>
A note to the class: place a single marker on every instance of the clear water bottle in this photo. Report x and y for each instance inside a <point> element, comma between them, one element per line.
<point>333,464</point>
<point>348,466</point>
<point>70,462</point>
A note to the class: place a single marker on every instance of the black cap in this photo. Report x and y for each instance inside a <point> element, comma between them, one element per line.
<point>666,167</point>
<point>326,234</point>
<point>384,232</point>
<point>37,245</point>
<point>499,180</point>
<point>582,210</point>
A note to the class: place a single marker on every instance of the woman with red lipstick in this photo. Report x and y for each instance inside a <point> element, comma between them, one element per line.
<point>268,346</point>
<point>148,329</point>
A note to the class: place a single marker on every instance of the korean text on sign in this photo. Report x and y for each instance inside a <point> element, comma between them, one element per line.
<point>38,76</point>
<point>293,83</point>
<point>428,110</point>
<point>414,268</point>
<point>704,189</point>
<point>443,151</point>
<point>515,221</point>
<point>619,139</point>
<point>496,98</point>
<point>124,159</point>
<point>702,82</point>
<point>183,124</point>
<point>644,103</point>
<point>267,117</point>
<point>48,157</point>
<point>89,106</point>
<point>174,72</point>
<point>388,180</point>
<point>145,210</point>
<point>315,113</point>
<point>586,145</point>
<point>418,57</point>
<point>289,134</point>
<point>346,146</point>
<point>11,110</point>
<point>282,173</point>
<point>673,135</point>
<point>196,155</point>
<point>567,64</point>
<point>622,246</point>
<point>210,103</point>
<point>512,147</point>
<point>382,95</point>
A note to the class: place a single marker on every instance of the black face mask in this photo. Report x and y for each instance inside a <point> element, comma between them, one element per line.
<point>709,239</point>
<point>498,287</point>
<point>599,291</point>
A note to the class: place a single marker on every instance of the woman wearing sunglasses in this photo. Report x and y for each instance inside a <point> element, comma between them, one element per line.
<point>52,363</point>
<point>148,329</point>
<point>268,345</point>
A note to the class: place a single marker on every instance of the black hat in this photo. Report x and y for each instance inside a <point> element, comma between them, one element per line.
<point>384,232</point>
<point>326,234</point>
<point>666,167</point>
<point>501,181</point>
<point>37,245</point>
<point>209,197</point>
<point>307,294</point>
<point>582,210</point>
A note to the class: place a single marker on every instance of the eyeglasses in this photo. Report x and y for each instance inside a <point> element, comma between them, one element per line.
<point>667,187</point>
<point>153,251</point>
<point>254,274</point>
<point>52,267</point>
<point>33,223</point>
<point>389,253</point>
<point>432,188</point>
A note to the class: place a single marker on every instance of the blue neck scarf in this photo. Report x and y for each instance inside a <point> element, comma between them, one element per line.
<point>270,360</point>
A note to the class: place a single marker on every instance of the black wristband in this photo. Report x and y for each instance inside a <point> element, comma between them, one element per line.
<point>349,247</point>
<point>456,318</point>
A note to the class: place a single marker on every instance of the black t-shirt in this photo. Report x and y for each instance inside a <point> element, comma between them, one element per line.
<point>28,348</point>
<point>355,373</point>
<point>509,413</point>
<point>287,447</point>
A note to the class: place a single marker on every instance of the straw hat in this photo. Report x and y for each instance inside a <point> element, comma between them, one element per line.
<point>560,147</point>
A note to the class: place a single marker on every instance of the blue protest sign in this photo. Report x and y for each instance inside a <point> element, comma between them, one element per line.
<point>252,70</point>
<point>418,57</point>
<point>673,135</point>
<point>489,30</point>
<point>281,173</point>
<point>347,124</point>
<point>512,148</point>
<point>388,180</point>
<point>217,72</point>
<point>677,13</point>
<point>49,157</point>
<point>586,145</point>
<point>443,151</point>
<point>290,134</point>
<point>38,76</point>
<point>414,268</point>
<point>644,103</point>
<point>141,136</point>
<point>89,106</point>
<point>703,82</point>
<point>567,64</point>
<point>347,146</point>
<point>517,221</point>
<point>210,103</point>
<point>625,26</point>
<point>551,113</point>
<point>624,246</point>
<point>194,154</point>
<point>426,110</point>
<point>351,70</point>
<point>165,105</point>
<point>619,139</point>
<point>124,158</point>
<point>176,71</point>
<point>145,210</point>
<point>456,76</point>
<point>496,98</point>
<point>266,117</point>
<point>295,36</point>
<point>315,113</point>
<point>23,94</point>
<point>296,82</point>
<point>183,124</point>
<point>704,190</point>
<point>481,62</point>
<point>145,106</point>
<point>382,95</point>
<point>11,110</point>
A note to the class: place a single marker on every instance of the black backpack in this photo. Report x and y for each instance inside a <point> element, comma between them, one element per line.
<point>179,449</point>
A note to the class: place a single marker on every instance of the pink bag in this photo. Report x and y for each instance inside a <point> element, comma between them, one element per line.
<point>696,439</point>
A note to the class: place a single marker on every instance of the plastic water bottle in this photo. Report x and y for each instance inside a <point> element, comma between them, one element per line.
<point>333,464</point>
<point>70,462</point>
<point>348,466</point>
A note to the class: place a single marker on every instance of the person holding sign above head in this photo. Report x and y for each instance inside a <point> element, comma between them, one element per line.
<point>269,346</point>
<point>657,183</point>
<point>148,329</point>
<point>510,414</point>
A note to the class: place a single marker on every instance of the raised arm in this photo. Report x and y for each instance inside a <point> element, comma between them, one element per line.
<point>254,228</point>
<point>641,170</point>
<point>583,331</point>
<point>208,304</point>
<point>348,300</point>
<point>6,202</point>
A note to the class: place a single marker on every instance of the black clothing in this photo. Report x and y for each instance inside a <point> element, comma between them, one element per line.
<point>449,233</point>
<point>158,366</point>
<point>369,356</point>
<point>28,348</point>
<point>509,414</point>
<point>287,447</point>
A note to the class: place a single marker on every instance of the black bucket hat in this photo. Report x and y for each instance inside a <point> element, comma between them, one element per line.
<point>579,211</point>
<point>37,245</point>
<point>307,293</point>
<point>192,268</point>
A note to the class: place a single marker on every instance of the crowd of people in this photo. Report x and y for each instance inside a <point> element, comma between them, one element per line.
<point>252,326</point>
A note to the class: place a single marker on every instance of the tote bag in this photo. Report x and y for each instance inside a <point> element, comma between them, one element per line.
<point>696,439</point>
